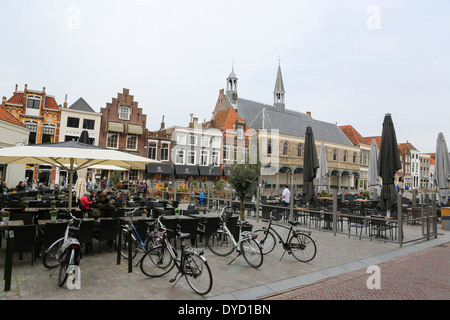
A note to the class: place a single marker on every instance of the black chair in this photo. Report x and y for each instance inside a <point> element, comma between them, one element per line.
<point>232,226</point>
<point>315,217</point>
<point>86,234</point>
<point>165,212</point>
<point>107,231</point>
<point>50,233</point>
<point>172,225</point>
<point>357,223</point>
<point>206,229</point>
<point>43,214</point>
<point>190,226</point>
<point>381,228</point>
<point>191,211</point>
<point>25,240</point>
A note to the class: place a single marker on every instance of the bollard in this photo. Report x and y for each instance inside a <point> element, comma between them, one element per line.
<point>119,245</point>
<point>8,260</point>
<point>130,252</point>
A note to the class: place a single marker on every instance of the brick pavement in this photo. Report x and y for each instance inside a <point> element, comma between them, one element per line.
<point>103,279</point>
<point>422,275</point>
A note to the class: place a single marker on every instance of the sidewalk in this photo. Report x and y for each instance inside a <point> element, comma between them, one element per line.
<point>103,279</point>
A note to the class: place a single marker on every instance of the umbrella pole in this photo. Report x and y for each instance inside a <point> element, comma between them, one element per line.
<point>71,171</point>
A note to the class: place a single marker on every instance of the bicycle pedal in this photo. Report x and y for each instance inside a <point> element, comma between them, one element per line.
<point>172,280</point>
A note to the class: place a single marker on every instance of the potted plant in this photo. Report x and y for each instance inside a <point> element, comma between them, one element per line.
<point>131,198</point>
<point>177,211</point>
<point>96,214</point>
<point>53,204</point>
<point>23,204</point>
<point>53,215</point>
<point>39,197</point>
<point>144,213</point>
<point>5,216</point>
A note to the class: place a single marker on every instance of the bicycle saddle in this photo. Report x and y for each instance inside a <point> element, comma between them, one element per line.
<point>294,223</point>
<point>183,235</point>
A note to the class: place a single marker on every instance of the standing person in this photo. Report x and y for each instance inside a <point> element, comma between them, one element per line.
<point>202,197</point>
<point>103,183</point>
<point>286,200</point>
<point>4,187</point>
<point>141,189</point>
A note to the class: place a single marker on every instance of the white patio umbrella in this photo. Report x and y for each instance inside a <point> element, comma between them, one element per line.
<point>80,184</point>
<point>442,168</point>
<point>373,178</point>
<point>322,171</point>
<point>71,156</point>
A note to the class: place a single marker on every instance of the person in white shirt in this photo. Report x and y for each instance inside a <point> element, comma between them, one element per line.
<point>285,200</point>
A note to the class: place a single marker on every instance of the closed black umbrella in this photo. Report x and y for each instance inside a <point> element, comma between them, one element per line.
<point>310,166</point>
<point>388,164</point>
<point>84,137</point>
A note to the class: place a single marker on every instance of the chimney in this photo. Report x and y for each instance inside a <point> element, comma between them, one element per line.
<point>162,123</point>
<point>195,122</point>
<point>65,101</point>
<point>4,101</point>
<point>309,114</point>
<point>43,90</point>
<point>25,91</point>
<point>16,88</point>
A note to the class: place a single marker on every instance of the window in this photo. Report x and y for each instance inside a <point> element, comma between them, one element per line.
<point>240,132</point>
<point>205,141</point>
<point>226,152</point>
<point>269,146</point>
<point>132,142</point>
<point>134,175</point>
<point>299,150</point>
<point>33,103</point>
<point>152,150</point>
<point>345,155</point>
<point>179,157</point>
<point>354,157</point>
<point>191,157</point>
<point>112,140</point>
<point>33,132</point>
<point>285,148</point>
<point>73,122</point>
<point>124,113</point>
<point>215,142</point>
<point>164,151</point>
<point>204,158</point>
<point>88,124</point>
<point>215,159</point>
<point>181,139</point>
<point>48,134</point>
<point>335,154</point>
<point>192,140</point>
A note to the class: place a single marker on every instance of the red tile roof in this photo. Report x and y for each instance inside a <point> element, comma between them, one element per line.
<point>353,135</point>
<point>18,98</point>
<point>6,116</point>
<point>377,140</point>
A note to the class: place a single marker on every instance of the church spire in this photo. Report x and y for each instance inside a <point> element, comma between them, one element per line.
<point>232,86</point>
<point>278,92</point>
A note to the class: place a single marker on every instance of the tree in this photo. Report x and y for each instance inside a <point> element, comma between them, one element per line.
<point>115,178</point>
<point>244,176</point>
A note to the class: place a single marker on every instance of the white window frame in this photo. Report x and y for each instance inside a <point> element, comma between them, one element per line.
<point>107,138</point>
<point>227,152</point>
<point>168,150</point>
<point>188,157</point>
<point>155,147</point>
<point>137,141</point>
<point>195,140</point>
<point>181,138</point>
<point>215,143</point>
<point>204,155</point>
<point>215,158</point>
<point>177,152</point>
<point>206,141</point>
<point>128,112</point>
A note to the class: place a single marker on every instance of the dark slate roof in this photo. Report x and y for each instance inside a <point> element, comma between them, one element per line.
<point>81,105</point>
<point>263,116</point>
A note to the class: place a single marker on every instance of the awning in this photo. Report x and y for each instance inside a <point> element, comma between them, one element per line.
<point>186,170</point>
<point>158,168</point>
<point>114,127</point>
<point>207,171</point>
<point>134,129</point>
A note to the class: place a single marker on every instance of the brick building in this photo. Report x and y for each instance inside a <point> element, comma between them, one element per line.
<point>123,128</point>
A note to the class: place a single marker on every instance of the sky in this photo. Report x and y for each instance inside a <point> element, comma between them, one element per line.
<point>348,62</point>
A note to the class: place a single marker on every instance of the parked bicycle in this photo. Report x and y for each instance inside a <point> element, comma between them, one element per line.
<point>223,243</point>
<point>137,244</point>
<point>299,243</point>
<point>192,263</point>
<point>65,252</point>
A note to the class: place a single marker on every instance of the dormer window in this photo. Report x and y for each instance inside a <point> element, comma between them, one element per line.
<point>124,113</point>
<point>33,106</point>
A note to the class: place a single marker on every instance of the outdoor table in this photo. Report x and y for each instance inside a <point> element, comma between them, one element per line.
<point>5,226</point>
<point>378,235</point>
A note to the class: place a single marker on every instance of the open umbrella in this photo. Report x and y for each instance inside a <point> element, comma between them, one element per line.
<point>322,172</point>
<point>388,164</point>
<point>373,178</point>
<point>442,168</point>
<point>71,156</point>
<point>310,166</point>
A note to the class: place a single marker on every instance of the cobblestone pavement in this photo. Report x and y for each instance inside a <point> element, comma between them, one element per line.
<point>102,278</point>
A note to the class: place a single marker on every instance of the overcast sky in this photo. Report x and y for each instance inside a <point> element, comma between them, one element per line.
<point>348,62</point>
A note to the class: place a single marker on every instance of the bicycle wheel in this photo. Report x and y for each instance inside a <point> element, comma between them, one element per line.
<point>49,257</point>
<point>152,240</point>
<point>220,243</point>
<point>125,245</point>
<point>157,262</point>
<point>252,252</point>
<point>266,239</point>
<point>197,272</point>
<point>62,276</point>
<point>302,247</point>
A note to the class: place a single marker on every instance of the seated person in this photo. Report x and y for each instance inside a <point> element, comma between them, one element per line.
<point>86,202</point>
<point>106,209</point>
<point>119,200</point>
